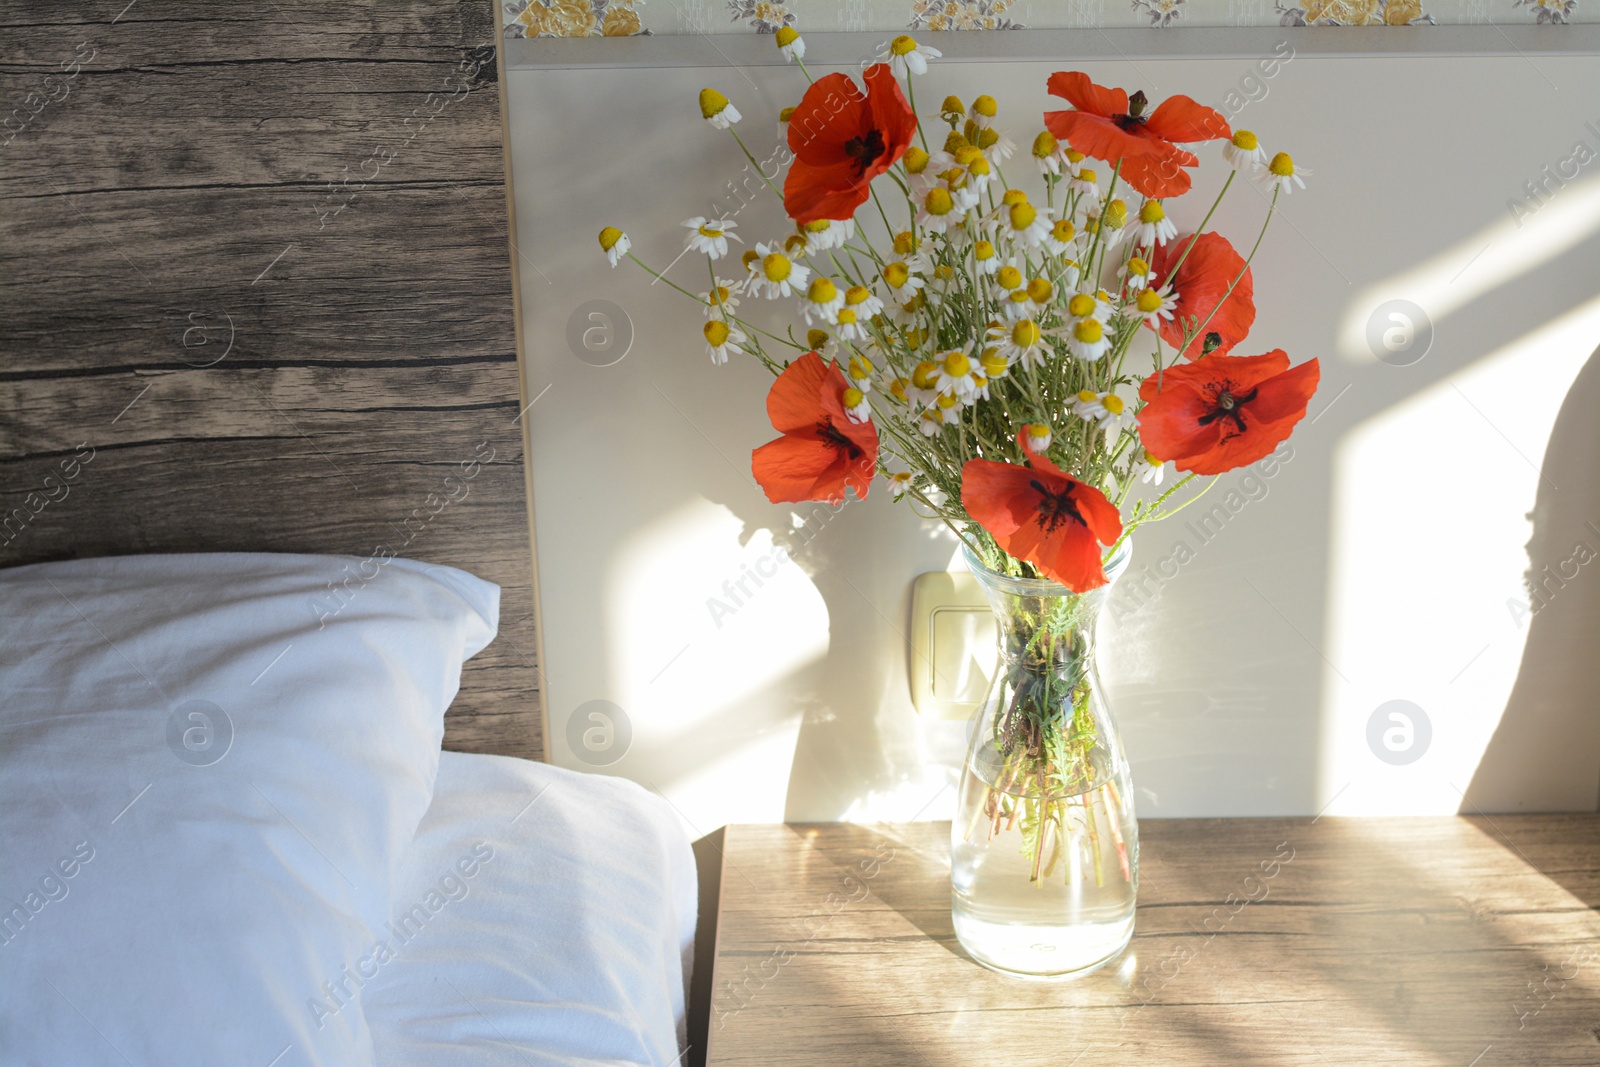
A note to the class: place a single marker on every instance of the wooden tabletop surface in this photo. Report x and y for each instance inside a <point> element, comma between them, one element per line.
<point>1459,942</point>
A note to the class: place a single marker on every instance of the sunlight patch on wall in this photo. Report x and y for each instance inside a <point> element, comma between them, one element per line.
<point>1429,550</point>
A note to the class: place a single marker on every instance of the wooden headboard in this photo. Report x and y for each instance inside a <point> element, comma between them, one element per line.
<point>257,295</point>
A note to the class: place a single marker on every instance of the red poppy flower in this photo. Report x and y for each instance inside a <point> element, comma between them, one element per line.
<point>1223,412</point>
<point>1041,514</point>
<point>843,138</point>
<point>1200,282</point>
<point>1110,125</point>
<point>821,452</point>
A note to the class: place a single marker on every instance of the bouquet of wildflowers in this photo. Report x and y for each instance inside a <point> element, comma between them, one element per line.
<point>1012,352</point>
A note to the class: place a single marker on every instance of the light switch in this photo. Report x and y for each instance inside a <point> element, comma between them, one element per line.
<point>952,644</point>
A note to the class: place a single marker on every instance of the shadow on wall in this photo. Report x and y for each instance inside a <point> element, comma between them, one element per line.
<point>1552,722</point>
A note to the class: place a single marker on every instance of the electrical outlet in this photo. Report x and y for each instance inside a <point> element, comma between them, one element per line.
<point>953,645</point>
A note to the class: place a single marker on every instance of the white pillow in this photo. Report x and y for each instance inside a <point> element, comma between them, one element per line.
<point>543,917</point>
<point>210,766</point>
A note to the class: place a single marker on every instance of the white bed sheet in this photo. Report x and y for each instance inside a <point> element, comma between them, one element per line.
<point>542,917</point>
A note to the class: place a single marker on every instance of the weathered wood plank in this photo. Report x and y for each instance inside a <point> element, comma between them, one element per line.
<point>1376,941</point>
<point>258,297</point>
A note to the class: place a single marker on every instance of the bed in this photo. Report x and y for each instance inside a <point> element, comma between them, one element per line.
<point>269,658</point>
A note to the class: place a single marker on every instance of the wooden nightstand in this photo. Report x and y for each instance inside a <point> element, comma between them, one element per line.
<point>1450,941</point>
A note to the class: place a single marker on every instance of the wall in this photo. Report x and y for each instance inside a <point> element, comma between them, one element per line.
<point>1384,560</point>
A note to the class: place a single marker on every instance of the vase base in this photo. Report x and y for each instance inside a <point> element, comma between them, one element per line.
<point>1043,955</point>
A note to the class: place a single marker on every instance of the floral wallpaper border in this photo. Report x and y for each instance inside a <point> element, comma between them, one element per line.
<point>625,18</point>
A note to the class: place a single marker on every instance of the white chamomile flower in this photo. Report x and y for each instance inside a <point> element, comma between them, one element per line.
<point>1020,222</point>
<point>859,298</point>
<point>790,43</point>
<point>1153,228</point>
<point>1041,294</point>
<point>1095,306</point>
<point>908,313</point>
<point>1059,241</point>
<point>937,211</point>
<point>710,236</point>
<point>903,284</point>
<point>984,109</point>
<point>1136,274</point>
<point>922,170</point>
<point>715,109</point>
<point>899,484</point>
<point>1281,175</point>
<point>995,366</point>
<point>821,302</point>
<point>859,371</point>
<point>1152,305</point>
<point>1244,151</point>
<point>856,406</point>
<point>1010,291</point>
<point>905,56</point>
<point>985,258</point>
<point>1150,470</point>
<point>1085,181</point>
<point>956,375</point>
<point>825,234</point>
<point>1022,342</point>
<point>720,301</point>
<point>1087,340</point>
<point>1038,437</point>
<point>615,244</point>
<point>721,336</point>
<point>1048,154</point>
<point>777,275</point>
<point>1070,274</point>
<point>930,422</point>
<point>995,145</point>
<point>1104,409</point>
<point>820,342</point>
<point>924,387</point>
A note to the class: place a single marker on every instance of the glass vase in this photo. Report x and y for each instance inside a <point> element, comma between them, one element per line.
<point>1044,858</point>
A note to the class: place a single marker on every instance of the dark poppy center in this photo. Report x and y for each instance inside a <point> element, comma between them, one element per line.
<point>864,149</point>
<point>1135,116</point>
<point>1229,407</point>
<point>1055,508</point>
<point>831,434</point>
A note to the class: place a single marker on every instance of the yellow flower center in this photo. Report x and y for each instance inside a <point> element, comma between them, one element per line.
<point>819,226</point>
<point>966,154</point>
<point>1088,396</point>
<point>897,389</point>
<point>1039,430</point>
<point>712,102</point>
<point>1151,212</point>
<point>994,364</point>
<point>860,367</point>
<point>1148,301</point>
<point>822,290</point>
<point>915,159</point>
<point>1019,297</point>
<point>905,243</point>
<point>1022,216</point>
<point>1074,156</point>
<point>925,374</point>
<point>856,294</point>
<point>609,238</point>
<point>1113,403</point>
<point>1116,215</point>
<point>938,202</point>
<point>952,108</point>
<point>896,274</point>
<point>1063,230</point>
<point>853,397</point>
<point>1040,290</point>
<point>816,338</point>
<point>1139,267</point>
<point>1088,331</point>
<point>786,114</point>
<point>847,316</point>
<point>944,272</point>
<point>957,365</point>
<point>1044,144</point>
<point>719,295</point>
<point>1013,197</point>
<point>1087,175</point>
<point>795,245</point>
<point>988,138</point>
<point>1025,334</point>
<point>1008,277</point>
<point>985,105</point>
<point>750,258</point>
<point>1246,140</point>
<point>953,142</point>
<point>716,333</point>
<point>786,36</point>
<point>1081,305</point>
<point>947,401</point>
<point>980,167</point>
<point>983,250</point>
<point>1282,166</point>
<point>776,267</point>
<point>707,231</point>
<point>903,45</point>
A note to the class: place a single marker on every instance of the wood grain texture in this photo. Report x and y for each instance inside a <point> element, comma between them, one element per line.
<point>1418,941</point>
<point>255,262</point>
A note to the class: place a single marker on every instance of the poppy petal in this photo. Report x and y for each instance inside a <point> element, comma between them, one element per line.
<point>1181,120</point>
<point>1205,275</point>
<point>831,105</point>
<point>794,401</point>
<point>797,468</point>
<point>891,114</point>
<point>1158,177</point>
<point>1083,94</point>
